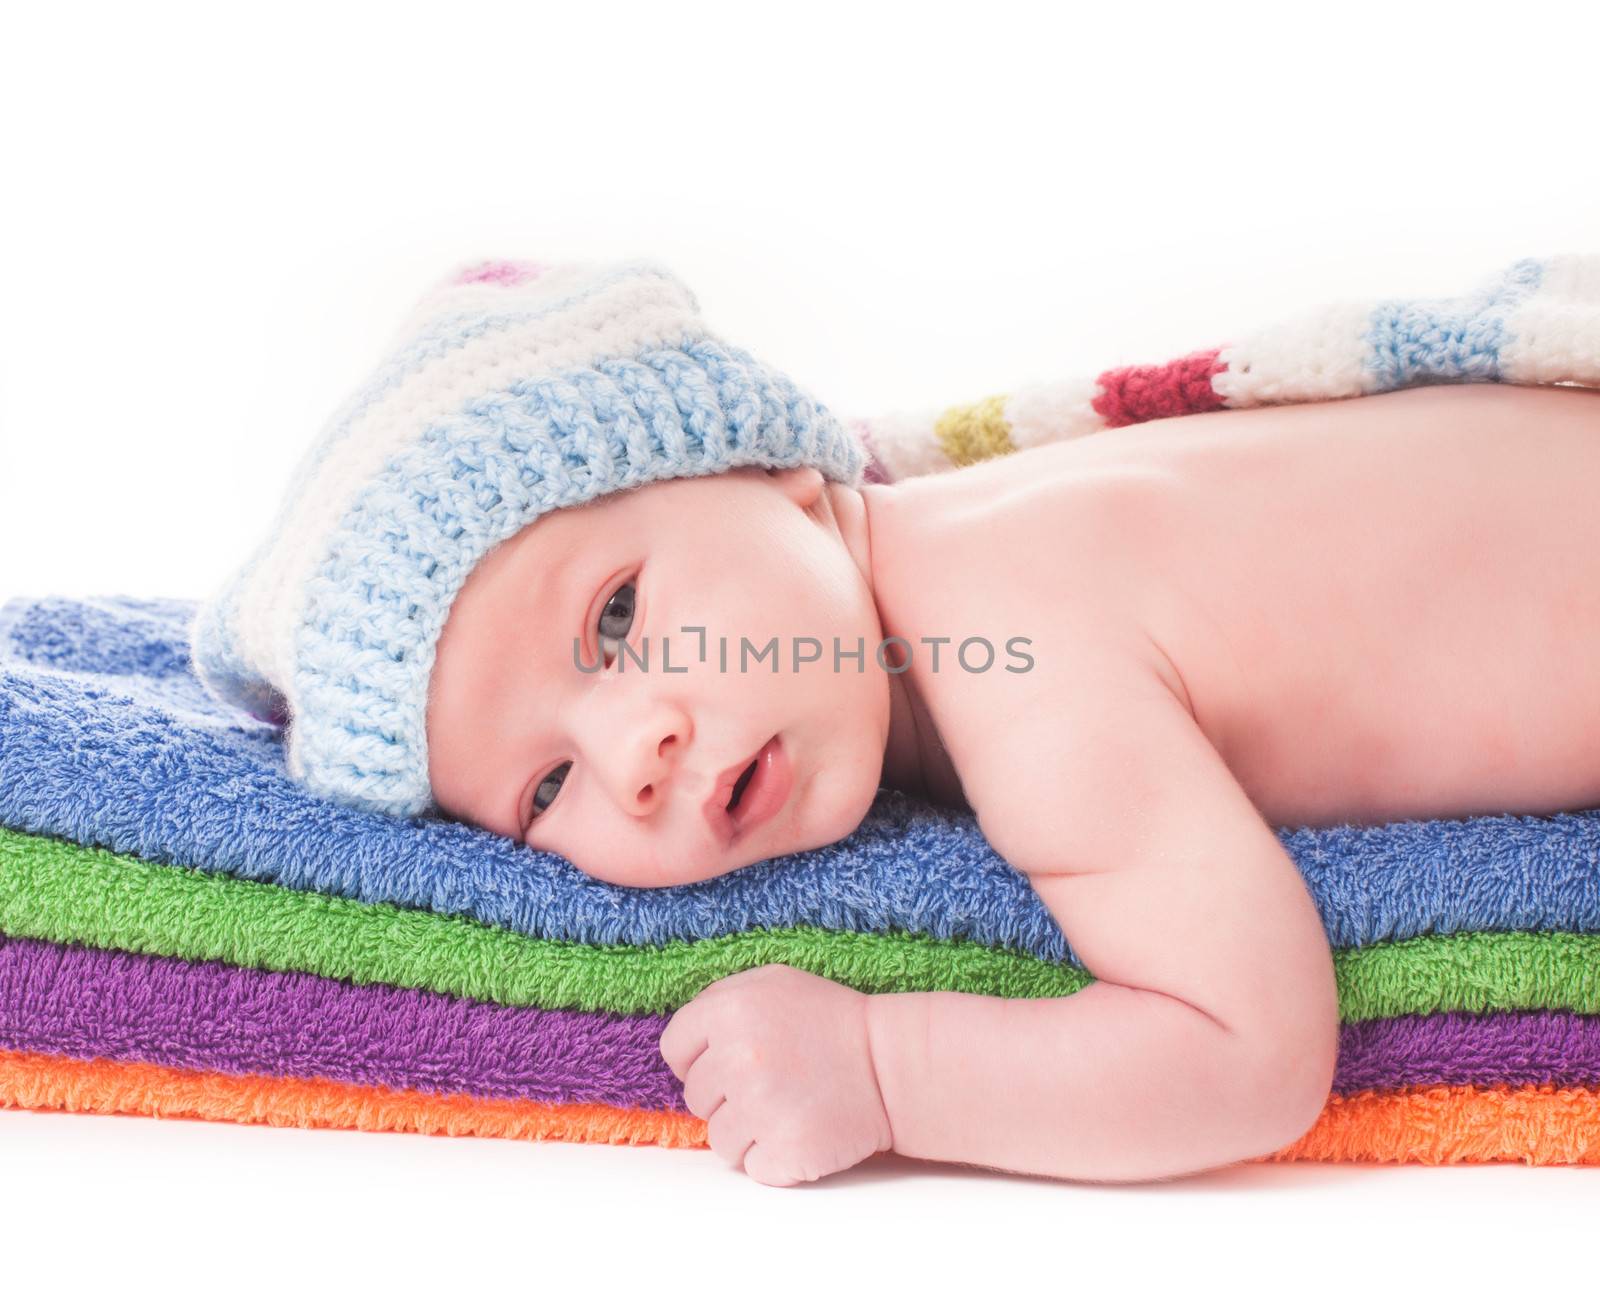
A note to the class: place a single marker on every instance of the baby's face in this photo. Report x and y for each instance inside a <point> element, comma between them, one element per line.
<point>627,771</point>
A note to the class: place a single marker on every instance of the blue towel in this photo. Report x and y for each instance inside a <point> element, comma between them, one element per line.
<point>107,739</point>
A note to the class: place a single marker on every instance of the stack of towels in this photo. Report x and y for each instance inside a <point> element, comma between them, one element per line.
<point>183,932</point>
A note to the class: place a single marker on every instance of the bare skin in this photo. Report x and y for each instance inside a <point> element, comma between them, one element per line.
<point>1342,612</point>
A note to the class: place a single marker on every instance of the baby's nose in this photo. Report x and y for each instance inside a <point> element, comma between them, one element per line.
<point>650,760</point>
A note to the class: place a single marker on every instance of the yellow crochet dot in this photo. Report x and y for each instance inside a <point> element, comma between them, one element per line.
<point>975,432</point>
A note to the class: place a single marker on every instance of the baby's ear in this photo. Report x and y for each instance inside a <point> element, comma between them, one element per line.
<point>801,484</point>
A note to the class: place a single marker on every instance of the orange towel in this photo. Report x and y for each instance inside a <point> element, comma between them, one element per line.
<point>1536,1125</point>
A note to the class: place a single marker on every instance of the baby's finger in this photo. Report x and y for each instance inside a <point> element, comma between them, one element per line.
<point>729,1134</point>
<point>684,1039</point>
<point>764,1168</point>
<point>704,1089</point>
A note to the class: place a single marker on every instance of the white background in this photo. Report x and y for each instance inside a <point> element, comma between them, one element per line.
<point>211,217</point>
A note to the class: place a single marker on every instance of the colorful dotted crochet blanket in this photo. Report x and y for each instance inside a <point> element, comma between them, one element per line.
<point>1536,322</point>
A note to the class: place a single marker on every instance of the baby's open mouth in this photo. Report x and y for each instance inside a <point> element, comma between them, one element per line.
<point>738,786</point>
<point>761,788</point>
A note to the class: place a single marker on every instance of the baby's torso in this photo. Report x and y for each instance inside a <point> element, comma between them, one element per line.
<point>1375,609</point>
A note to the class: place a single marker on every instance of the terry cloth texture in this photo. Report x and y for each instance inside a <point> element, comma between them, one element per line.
<point>206,1016</point>
<point>189,932</point>
<point>175,950</point>
<point>1535,1126</point>
<point>106,739</point>
<point>52,890</point>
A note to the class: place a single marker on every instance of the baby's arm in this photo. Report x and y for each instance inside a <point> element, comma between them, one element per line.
<point>1211,1033</point>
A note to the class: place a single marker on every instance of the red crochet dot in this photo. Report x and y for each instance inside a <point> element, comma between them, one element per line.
<point>1132,394</point>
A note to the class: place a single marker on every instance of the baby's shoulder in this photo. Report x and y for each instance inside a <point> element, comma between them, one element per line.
<point>1010,584</point>
<point>1063,725</point>
<point>1018,536</point>
<point>1030,591</point>
<point>1045,708</point>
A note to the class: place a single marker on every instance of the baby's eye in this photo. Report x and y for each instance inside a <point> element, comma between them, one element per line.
<point>617,617</point>
<point>547,790</point>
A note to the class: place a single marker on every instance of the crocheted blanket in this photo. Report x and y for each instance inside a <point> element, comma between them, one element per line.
<point>184,931</point>
<point>1535,322</point>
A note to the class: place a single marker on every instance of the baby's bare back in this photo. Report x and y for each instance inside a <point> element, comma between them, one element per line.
<point>1386,608</point>
<point>1375,609</point>
<point>1353,611</point>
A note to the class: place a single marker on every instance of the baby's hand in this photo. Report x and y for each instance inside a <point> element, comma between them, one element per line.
<point>777,1061</point>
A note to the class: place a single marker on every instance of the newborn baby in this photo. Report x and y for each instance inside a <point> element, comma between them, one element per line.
<point>1129,655</point>
<point>1354,611</point>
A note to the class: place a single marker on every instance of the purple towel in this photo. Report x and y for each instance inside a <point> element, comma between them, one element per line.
<point>1516,1048</point>
<point>81,1002</point>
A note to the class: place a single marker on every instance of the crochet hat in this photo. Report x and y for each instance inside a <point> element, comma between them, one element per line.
<point>513,390</point>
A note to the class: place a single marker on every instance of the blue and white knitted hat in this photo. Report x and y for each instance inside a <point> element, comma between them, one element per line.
<point>513,390</point>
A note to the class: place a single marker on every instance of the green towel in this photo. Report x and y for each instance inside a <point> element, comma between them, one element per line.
<point>53,890</point>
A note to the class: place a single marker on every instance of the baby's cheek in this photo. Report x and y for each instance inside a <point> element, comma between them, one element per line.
<point>620,860</point>
<point>645,855</point>
<point>838,792</point>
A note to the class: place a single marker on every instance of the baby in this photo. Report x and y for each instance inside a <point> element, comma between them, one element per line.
<point>699,641</point>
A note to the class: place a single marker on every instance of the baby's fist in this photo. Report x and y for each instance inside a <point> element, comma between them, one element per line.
<point>778,1063</point>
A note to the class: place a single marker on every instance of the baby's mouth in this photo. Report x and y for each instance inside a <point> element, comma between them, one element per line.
<point>757,792</point>
<point>739,786</point>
